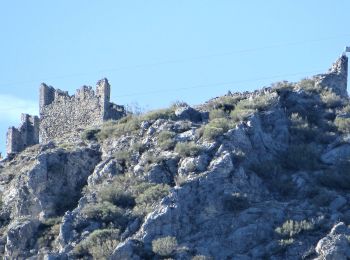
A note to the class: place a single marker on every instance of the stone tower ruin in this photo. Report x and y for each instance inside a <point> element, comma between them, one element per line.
<point>27,134</point>
<point>62,115</point>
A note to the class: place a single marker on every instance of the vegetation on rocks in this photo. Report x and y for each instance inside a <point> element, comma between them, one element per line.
<point>291,228</point>
<point>262,174</point>
<point>166,140</point>
<point>164,246</point>
<point>187,149</point>
<point>48,232</point>
<point>126,192</point>
<point>343,124</point>
<point>99,244</point>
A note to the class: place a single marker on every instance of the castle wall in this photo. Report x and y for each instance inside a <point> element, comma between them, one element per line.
<point>62,114</point>
<point>27,134</point>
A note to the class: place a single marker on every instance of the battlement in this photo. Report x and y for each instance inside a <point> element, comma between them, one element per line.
<point>49,95</point>
<point>62,115</point>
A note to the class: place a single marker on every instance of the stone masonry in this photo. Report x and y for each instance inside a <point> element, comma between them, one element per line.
<point>62,115</point>
<point>27,134</point>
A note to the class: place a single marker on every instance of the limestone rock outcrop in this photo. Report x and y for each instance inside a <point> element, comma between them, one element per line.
<point>336,78</point>
<point>253,175</point>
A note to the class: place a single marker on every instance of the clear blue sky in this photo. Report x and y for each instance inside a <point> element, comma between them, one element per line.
<point>162,46</point>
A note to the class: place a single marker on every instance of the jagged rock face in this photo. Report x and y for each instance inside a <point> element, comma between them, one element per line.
<point>54,181</point>
<point>49,185</point>
<point>335,246</point>
<point>337,77</point>
<point>20,238</point>
<point>262,175</point>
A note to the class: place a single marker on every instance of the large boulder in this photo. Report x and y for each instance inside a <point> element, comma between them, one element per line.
<point>188,113</point>
<point>20,238</point>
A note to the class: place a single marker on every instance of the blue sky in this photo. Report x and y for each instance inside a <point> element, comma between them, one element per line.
<point>155,52</point>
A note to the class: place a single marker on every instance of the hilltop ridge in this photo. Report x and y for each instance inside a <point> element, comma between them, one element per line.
<point>253,175</point>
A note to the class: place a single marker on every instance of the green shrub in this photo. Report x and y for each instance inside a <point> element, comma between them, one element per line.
<point>343,124</point>
<point>125,125</point>
<point>100,244</point>
<point>90,134</point>
<point>216,113</point>
<point>164,246</point>
<point>123,157</point>
<point>187,149</point>
<point>266,169</point>
<point>67,146</point>
<point>150,157</point>
<point>48,231</point>
<point>330,99</point>
<point>117,196</point>
<point>235,202</point>
<point>138,147</point>
<point>346,109</point>
<point>238,114</point>
<point>309,85</point>
<point>291,228</point>
<point>166,113</point>
<point>166,140</point>
<point>222,123</point>
<point>126,192</point>
<point>225,103</point>
<point>261,102</point>
<point>301,130</point>
<point>283,85</point>
<point>216,127</point>
<point>274,176</point>
<point>286,242</point>
<point>107,213</point>
<point>211,133</point>
<point>149,197</point>
<point>301,156</point>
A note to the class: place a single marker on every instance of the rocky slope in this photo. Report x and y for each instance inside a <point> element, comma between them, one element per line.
<point>261,175</point>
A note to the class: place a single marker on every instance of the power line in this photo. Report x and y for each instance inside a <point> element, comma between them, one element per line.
<point>174,61</point>
<point>216,84</point>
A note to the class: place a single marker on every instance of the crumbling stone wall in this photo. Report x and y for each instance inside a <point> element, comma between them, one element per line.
<point>27,134</point>
<point>62,114</point>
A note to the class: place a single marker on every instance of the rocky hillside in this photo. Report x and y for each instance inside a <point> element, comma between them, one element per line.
<point>261,175</point>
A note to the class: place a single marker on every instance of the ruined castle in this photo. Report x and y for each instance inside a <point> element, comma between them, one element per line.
<point>64,115</point>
